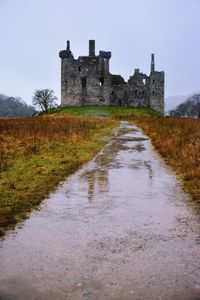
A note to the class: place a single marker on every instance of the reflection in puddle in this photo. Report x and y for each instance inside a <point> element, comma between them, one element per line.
<point>97,182</point>
<point>149,168</point>
<point>109,158</point>
<point>119,228</point>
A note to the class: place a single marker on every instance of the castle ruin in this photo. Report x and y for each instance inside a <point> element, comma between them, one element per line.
<point>88,81</point>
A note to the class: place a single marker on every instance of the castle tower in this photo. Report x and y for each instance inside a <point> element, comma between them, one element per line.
<point>67,66</point>
<point>85,80</point>
<point>157,82</point>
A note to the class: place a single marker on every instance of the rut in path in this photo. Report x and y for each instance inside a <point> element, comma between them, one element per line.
<point>119,228</point>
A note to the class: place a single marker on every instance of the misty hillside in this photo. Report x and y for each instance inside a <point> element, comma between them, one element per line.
<point>11,107</point>
<point>173,101</point>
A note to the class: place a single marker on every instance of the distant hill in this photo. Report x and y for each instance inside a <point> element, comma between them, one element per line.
<point>174,101</point>
<point>11,107</point>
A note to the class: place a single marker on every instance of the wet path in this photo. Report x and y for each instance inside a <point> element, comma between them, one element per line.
<point>120,228</point>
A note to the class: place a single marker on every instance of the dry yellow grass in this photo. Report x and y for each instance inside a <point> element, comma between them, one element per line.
<point>178,141</point>
<point>37,153</point>
<point>23,137</point>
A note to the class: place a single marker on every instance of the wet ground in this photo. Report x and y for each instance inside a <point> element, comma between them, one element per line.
<point>120,228</point>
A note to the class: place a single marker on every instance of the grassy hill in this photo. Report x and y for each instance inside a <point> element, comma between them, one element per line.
<point>105,111</point>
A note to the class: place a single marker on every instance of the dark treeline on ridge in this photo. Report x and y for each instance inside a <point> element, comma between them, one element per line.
<point>11,107</point>
<point>188,109</point>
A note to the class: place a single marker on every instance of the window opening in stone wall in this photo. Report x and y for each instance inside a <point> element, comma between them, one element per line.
<point>153,93</point>
<point>84,82</point>
<point>142,92</point>
<point>101,81</point>
<point>153,81</point>
<point>144,81</point>
<point>112,93</point>
<point>136,93</point>
<point>79,68</point>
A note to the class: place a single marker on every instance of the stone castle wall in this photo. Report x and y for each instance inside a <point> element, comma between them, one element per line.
<point>88,80</point>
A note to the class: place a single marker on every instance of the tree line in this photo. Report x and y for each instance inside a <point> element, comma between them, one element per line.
<point>11,107</point>
<point>188,109</point>
<point>15,107</point>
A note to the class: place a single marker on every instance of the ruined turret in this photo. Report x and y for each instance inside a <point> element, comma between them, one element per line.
<point>66,53</point>
<point>85,80</point>
<point>157,81</point>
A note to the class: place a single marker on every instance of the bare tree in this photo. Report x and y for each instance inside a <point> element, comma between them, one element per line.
<point>44,99</point>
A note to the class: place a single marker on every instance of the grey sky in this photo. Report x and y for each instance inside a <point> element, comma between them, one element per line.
<point>33,31</point>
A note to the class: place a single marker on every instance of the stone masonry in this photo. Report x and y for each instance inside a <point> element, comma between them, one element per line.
<point>88,81</point>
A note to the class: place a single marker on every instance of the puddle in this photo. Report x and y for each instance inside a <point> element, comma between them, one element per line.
<point>119,228</point>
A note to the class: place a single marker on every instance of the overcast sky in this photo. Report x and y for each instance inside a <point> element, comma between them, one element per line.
<point>33,31</point>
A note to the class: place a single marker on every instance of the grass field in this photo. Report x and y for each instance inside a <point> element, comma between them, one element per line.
<point>37,153</point>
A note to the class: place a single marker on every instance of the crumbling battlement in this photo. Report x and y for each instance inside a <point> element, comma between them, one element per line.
<point>87,80</point>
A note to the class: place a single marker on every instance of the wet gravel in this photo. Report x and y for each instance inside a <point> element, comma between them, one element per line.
<point>120,228</point>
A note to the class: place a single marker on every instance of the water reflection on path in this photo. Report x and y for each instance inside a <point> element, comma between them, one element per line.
<point>119,228</point>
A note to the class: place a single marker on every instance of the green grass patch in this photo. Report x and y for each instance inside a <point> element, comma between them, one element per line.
<point>104,111</point>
